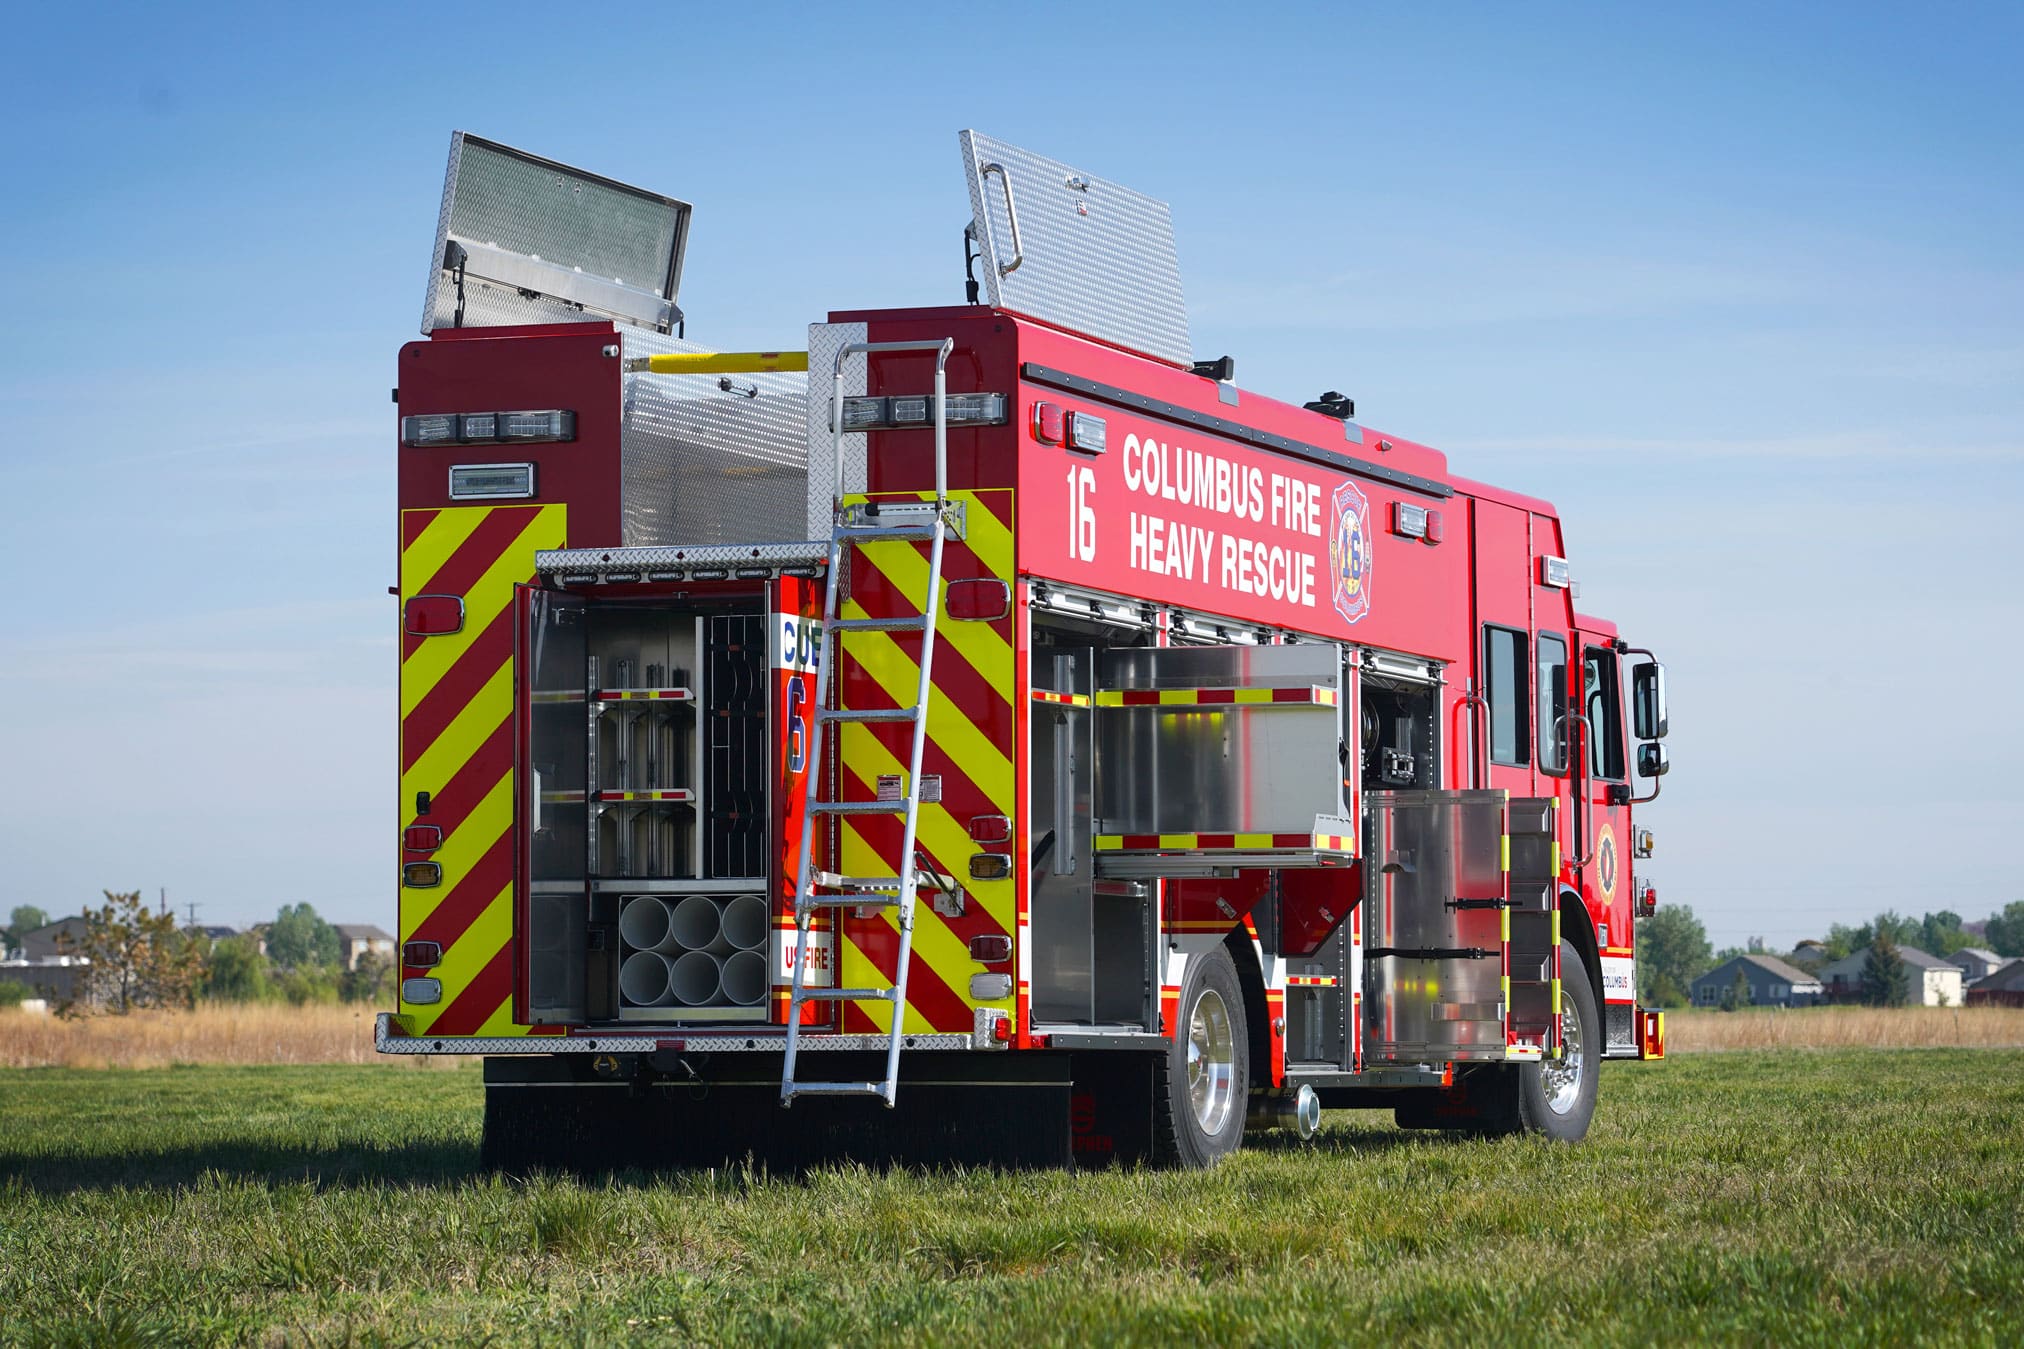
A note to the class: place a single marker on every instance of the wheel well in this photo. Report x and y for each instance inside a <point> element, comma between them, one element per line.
<point>1576,927</point>
<point>1244,955</point>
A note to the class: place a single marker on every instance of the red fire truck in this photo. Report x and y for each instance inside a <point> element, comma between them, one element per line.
<point>986,733</point>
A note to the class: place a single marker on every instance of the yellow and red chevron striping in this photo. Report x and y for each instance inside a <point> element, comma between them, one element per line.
<point>970,727</point>
<point>457,745</point>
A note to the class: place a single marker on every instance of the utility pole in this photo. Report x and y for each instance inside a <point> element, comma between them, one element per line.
<point>192,907</point>
<point>165,901</point>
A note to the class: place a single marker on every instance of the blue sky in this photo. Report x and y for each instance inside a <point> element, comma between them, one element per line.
<point>1740,292</point>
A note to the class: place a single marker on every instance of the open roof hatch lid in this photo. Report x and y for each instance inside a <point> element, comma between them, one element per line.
<point>1075,250</point>
<point>523,239</point>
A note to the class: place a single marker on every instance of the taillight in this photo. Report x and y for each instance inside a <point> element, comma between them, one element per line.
<point>421,955</point>
<point>421,838</point>
<point>990,950</point>
<point>433,615</point>
<point>982,600</point>
<point>990,829</point>
<point>1047,423</point>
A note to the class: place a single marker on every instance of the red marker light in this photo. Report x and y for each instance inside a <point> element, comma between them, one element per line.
<point>1047,423</point>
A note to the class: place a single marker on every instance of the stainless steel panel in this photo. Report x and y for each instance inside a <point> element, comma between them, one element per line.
<point>1093,256</point>
<point>1425,851</point>
<point>1061,780</point>
<point>1220,769</point>
<point>558,903</point>
<point>711,458</point>
<point>583,245</point>
<point>824,341</point>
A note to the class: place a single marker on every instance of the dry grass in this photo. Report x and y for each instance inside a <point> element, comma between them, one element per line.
<point>1846,1028</point>
<point>220,1033</point>
<point>267,1033</point>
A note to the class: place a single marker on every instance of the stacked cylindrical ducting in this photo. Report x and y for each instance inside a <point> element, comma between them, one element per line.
<point>693,951</point>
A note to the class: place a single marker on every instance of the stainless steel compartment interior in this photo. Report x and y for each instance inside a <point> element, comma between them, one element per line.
<point>1219,768</point>
<point>1434,891</point>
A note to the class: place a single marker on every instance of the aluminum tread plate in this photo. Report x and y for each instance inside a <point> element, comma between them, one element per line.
<point>681,558</point>
<point>385,1041</point>
<point>1098,257</point>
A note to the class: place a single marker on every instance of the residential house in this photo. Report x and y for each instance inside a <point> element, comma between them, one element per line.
<point>1933,982</point>
<point>43,945</point>
<point>2004,988</point>
<point>1978,962</point>
<point>1809,955</point>
<point>355,939</point>
<point>1773,983</point>
<point>45,967</point>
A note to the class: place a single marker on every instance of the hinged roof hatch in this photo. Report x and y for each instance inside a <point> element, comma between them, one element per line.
<point>523,239</point>
<point>1076,250</point>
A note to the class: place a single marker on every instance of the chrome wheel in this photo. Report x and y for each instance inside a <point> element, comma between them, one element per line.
<point>1561,1077</point>
<point>1212,1062</point>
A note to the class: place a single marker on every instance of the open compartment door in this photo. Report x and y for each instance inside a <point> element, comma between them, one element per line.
<point>557,969</point>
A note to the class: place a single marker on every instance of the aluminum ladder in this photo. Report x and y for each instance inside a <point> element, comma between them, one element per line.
<point>906,521</point>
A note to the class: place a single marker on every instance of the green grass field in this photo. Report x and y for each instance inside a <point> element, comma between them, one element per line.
<point>1859,1197</point>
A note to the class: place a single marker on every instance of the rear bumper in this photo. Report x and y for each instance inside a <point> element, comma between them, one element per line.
<point>391,1037</point>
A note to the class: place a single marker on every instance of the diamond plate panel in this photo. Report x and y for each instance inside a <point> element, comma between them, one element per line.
<point>537,208</point>
<point>1094,257</point>
<point>386,1040</point>
<point>686,558</point>
<point>711,459</point>
<point>824,341</point>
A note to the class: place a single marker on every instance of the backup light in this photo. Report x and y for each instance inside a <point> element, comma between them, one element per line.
<point>1086,433</point>
<point>914,411</point>
<point>491,480</point>
<point>421,992</point>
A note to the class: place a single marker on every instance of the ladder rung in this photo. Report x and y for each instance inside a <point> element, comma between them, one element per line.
<point>874,714</point>
<point>870,533</point>
<point>914,624</point>
<point>867,899</point>
<point>860,807</point>
<point>829,880</point>
<point>846,995</point>
<point>877,1089</point>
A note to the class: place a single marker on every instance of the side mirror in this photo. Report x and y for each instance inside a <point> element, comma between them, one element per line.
<point>1651,760</point>
<point>1648,701</point>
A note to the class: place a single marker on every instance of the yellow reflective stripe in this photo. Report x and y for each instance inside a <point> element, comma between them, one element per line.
<point>483,602</point>
<point>481,716</point>
<point>1556,997</point>
<point>949,726</point>
<point>721,362</point>
<point>1505,925</point>
<point>467,843</point>
<point>463,959</point>
<point>1504,853</point>
<point>435,545</point>
<point>937,829</point>
<point>1556,929</point>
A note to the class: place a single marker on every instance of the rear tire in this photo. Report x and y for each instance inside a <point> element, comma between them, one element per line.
<point>1203,1085</point>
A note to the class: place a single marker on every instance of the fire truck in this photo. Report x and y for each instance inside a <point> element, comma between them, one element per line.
<point>984,732</point>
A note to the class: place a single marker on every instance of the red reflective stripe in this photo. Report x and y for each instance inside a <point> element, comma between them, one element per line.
<point>488,652</point>
<point>485,994</point>
<point>473,558</point>
<point>412,525</point>
<point>471,783</point>
<point>468,898</point>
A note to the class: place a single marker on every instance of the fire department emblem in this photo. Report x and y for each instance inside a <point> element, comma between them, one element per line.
<point>1349,556</point>
<point>1605,863</point>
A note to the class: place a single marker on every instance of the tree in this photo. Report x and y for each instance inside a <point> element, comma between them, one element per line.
<point>298,938</point>
<point>25,919</point>
<point>1940,934</point>
<point>137,957</point>
<point>2004,932</point>
<point>1672,948</point>
<point>234,971</point>
<point>1885,980</point>
<point>367,979</point>
<point>1737,994</point>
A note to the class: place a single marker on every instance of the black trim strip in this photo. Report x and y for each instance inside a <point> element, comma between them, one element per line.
<point>1203,421</point>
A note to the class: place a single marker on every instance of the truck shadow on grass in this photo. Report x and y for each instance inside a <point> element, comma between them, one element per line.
<point>450,1163</point>
<point>333,1166</point>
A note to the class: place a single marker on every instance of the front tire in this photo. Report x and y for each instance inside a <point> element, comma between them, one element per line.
<point>1204,1083</point>
<point>1557,1097</point>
